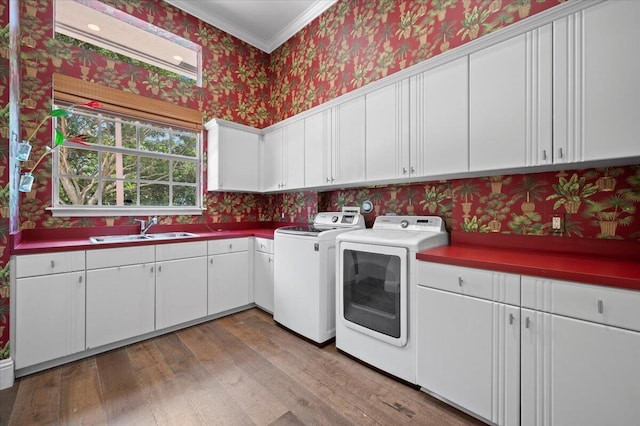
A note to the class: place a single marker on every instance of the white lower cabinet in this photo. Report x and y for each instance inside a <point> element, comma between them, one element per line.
<point>49,317</point>
<point>228,276</point>
<point>468,347</point>
<point>120,294</point>
<point>263,274</point>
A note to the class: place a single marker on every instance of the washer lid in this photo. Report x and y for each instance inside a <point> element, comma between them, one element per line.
<point>413,240</point>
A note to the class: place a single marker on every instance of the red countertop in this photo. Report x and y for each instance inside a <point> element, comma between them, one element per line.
<point>609,263</point>
<point>52,240</point>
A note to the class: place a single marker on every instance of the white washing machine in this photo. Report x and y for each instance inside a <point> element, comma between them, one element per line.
<point>376,290</point>
<point>304,274</point>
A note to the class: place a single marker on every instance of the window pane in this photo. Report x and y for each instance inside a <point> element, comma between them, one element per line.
<point>79,192</point>
<point>108,133</point>
<point>78,162</point>
<point>154,140</point>
<point>78,124</point>
<point>154,195</point>
<point>119,193</point>
<point>184,171</point>
<point>184,144</point>
<point>119,166</point>
<point>154,169</point>
<point>184,195</point>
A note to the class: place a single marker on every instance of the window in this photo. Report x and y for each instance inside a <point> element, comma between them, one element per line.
<point>130,164</point>
<point>96,26</point>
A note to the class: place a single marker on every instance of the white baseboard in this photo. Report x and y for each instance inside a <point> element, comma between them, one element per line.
<point>6,373</point>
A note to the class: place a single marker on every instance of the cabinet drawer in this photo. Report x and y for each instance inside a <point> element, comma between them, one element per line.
<point>180,250</point>
<point>106,258</point>
<point>229,245</point>
<point>32,265</point>
<point>496,286</point>
<point>603,305</point>
<point>264,245</point>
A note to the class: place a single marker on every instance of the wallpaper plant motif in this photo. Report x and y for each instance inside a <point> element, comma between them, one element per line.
<point>593,203</point>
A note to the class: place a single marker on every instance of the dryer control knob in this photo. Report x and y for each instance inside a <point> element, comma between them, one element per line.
<point>404,223</point>
<point>334,219</point>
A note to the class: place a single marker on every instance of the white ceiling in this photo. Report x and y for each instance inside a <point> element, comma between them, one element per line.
<point>265,24</point>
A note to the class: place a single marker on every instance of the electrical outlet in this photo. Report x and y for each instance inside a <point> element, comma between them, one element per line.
<point>556,224</point>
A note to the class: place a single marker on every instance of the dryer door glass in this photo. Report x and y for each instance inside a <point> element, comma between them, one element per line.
<point>372,291</point>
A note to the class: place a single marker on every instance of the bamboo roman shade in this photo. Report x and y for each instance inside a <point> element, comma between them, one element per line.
<point>77,91</point>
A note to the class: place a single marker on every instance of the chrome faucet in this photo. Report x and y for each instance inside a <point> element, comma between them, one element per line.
<point>144,226</point>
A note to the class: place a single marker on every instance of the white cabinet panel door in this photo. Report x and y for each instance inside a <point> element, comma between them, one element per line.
<point>181,291</point>
<point>317,149</point>
<point>348,154</point>
<point>228,281</point>
<point>49,317</point>
<point>263,280</point>
<point>120,303</point>
<point>387,132</point>
<point>272,161</point>
<point>293,153</point>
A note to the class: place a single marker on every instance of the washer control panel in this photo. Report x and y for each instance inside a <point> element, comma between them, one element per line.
<point>410,223</point>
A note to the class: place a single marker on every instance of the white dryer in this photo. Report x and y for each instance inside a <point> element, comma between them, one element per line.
<point>376,290</point>
<point>304,274</point>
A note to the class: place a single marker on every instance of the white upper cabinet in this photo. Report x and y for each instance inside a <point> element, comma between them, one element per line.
<point>347,163</point>
<point>317,141</point>
<point>387,133</point>
<point>440,120</point>
<point>283,160</point>
<point>510,102</point>
<point>597,89</point>
<point>233,157</point>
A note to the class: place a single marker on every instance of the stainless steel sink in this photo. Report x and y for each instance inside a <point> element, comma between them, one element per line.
<point>139,237</point>
<point>171,235</point>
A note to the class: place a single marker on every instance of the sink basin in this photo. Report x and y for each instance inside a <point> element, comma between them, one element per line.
<point>171,235</point>
<point>118,239</point>
<point>138,237</point>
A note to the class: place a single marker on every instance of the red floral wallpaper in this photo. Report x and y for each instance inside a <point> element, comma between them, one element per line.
<point>357,42</point>
<point>593,203</point>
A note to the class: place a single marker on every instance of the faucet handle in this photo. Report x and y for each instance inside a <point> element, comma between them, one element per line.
<point>143,222</point>
<point>154,220</point>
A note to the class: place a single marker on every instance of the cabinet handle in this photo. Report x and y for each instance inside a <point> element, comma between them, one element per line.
<point>332,179</point>
<point>527,322</point>
<point>404,171</point>
<point>544,154</point>
<point>211,261</point>
<point>328,179</point>
<point>160,268</point>
<point>152,269</point>
<point>560,152</point>
<point>460,281</point>
<point>412,170</point>
<point>53,264</point>
<point>600,306</point>
<point>511,318</point>
<point>270,260</point>
<point>80,279</point>
<point>230,246</point>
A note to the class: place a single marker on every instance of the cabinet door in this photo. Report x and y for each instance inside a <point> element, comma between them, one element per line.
<point>293,147</point>
<point>576,372</point>
<point>228,281</point>
<point>440,120</point>
<point>120,303</point>
<point>263,280</point>
<point>387,132</point>
<point>239,160</point>
<point>181,291</point>
<point>510,102</point>
<point>468,353</point>
<point>272,161</point>
<point>596,81</point>
<point>348,153</point>
<point>49,317</point>
<point>317,149</point>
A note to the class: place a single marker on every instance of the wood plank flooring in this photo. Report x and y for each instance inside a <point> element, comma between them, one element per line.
<point>239,370</point>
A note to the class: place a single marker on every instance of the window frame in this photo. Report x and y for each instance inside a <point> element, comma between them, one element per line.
<point>116,103</point>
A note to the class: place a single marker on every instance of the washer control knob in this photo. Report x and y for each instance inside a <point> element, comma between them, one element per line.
<point>334,219</point>
<point>404,223</point>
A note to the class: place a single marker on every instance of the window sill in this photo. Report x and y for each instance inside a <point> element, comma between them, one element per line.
<point>96,211</point>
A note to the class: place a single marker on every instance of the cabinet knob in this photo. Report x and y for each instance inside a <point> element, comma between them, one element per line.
<point>270,260</point>
<point>412,170</point>
<point>230,246</point>
<point>511,318</point>
<point>160,268</point>
<point>560,152</point>
<point>152,269</point>
<point>80,279</point>
<point>211,261</point>
<point>544,154</point>
<point>460,281</point>
<point>328,180</point>
<point>404,171</point>
<point>332,179</point>
<point>527,322</point>
<point>53,264</point>
<point>600,307</point>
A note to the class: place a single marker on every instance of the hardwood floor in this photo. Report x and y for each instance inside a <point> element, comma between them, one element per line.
<point>239,370</point>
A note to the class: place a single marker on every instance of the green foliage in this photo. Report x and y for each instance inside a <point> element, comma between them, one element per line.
<point>474,225</point>
<point>572,190</point>
<point>5,351</point>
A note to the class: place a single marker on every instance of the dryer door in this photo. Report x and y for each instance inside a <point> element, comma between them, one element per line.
<point>373,290</point>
